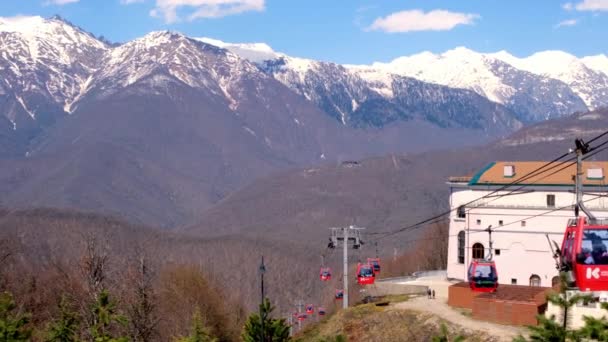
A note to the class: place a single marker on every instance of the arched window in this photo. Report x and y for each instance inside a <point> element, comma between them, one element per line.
<point>534,280</point>
<point>478,251</point>
<point>461,247</point>
<point>555,281</point>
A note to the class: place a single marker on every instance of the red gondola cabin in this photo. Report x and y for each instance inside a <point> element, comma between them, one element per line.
<point>339,295</point>
<point>365,274</point>
<point>483,276</point>
<point>321,311</point>
<point>584,253</point>
<point>375,262</point>
<point>325,273</point>
<point>302,317</point>
<point>310,309</point>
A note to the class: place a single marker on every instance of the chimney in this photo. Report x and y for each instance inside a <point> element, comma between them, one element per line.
<point>509,171</point>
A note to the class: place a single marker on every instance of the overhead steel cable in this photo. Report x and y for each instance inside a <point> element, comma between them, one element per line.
<point>510,223</point>
<point>433,219</point>
<point>529,175</point>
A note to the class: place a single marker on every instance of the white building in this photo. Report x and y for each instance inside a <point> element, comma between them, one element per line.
<point>521,220</point>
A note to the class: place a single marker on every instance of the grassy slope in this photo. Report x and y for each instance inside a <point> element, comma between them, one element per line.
<point>368,322</point>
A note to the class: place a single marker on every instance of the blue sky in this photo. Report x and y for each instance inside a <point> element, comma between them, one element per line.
<point>348,31</point>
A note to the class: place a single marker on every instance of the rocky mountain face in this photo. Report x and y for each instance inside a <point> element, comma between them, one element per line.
<point>546,85</point>
<point>355,98</point>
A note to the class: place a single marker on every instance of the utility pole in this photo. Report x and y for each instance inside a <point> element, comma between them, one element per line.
<point>582,148</point>
<point>300,305</point>
<point>262,311</point>
<point>290,322</point>
<point>345,234</point>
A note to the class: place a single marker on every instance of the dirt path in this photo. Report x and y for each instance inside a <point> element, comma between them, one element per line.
<point>440,308</point>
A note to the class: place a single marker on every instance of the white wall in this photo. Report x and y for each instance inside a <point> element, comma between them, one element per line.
<point>524,250</point>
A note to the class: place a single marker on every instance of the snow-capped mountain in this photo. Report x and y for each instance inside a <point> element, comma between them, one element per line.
<point>532,97</point>
<point>51,67</point>
<point>354,100</point>
<point>587,77</point>
<point>598,63</point>
<point>44,64</point>
<point>532,94</point>
<point>161,57</point>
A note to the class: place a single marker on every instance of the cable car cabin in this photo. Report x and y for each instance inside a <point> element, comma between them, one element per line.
<point>310,309</point>
<point>321,311</point>
<point>584,253</point>
<point>302,317</point>
<point>375,262</point>
<point>483,276</point>
<point>365,274</point>
<point>325,273</point>
<point>339,294</point>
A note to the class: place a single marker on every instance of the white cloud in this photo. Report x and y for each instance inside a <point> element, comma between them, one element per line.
<point>167,9</point>
<point>569,22</point>
<point>59,2</point>
<point>588,5</point>
<point>128,2</point>
<point>417,20</point>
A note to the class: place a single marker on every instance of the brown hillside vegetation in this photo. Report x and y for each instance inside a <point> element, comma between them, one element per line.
<point>54,241</point>
<point>373,323</point>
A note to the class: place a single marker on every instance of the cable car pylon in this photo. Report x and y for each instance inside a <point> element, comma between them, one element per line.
<point>345,235</point>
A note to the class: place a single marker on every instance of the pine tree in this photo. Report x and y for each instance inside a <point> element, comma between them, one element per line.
<point>12,325</point>
<point>549,329</point>
<point>275,330</point>
<point>105,319</point>
<point>596,328</point>
<point>65,328</point>
<point>198,333</point>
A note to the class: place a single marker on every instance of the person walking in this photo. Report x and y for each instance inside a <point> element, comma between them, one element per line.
<point>433,294</point>
<point>428,293</point>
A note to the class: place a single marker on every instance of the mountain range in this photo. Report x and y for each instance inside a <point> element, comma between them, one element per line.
<point>163,127</point>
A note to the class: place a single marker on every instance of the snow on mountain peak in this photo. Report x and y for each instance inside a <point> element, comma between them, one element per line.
<point>461,52</point>
<point>598,63</point>
<point>22,24</point>
<point>255,52</point>
<point>50,33</point>
<point>460,68</point>
<point>586,81</point>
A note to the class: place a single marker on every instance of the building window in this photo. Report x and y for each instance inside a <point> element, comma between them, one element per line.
<point>513,281</point>
<point>534,280</point>
<point>461,247</point>
<point>551,201</point>
<point>523,223</point>
<point>555,281</point>
<point>500,222</point>
<point>461,212</point>
<point>478,251</point>
<point>479,222</point>
<point>497,251</point>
